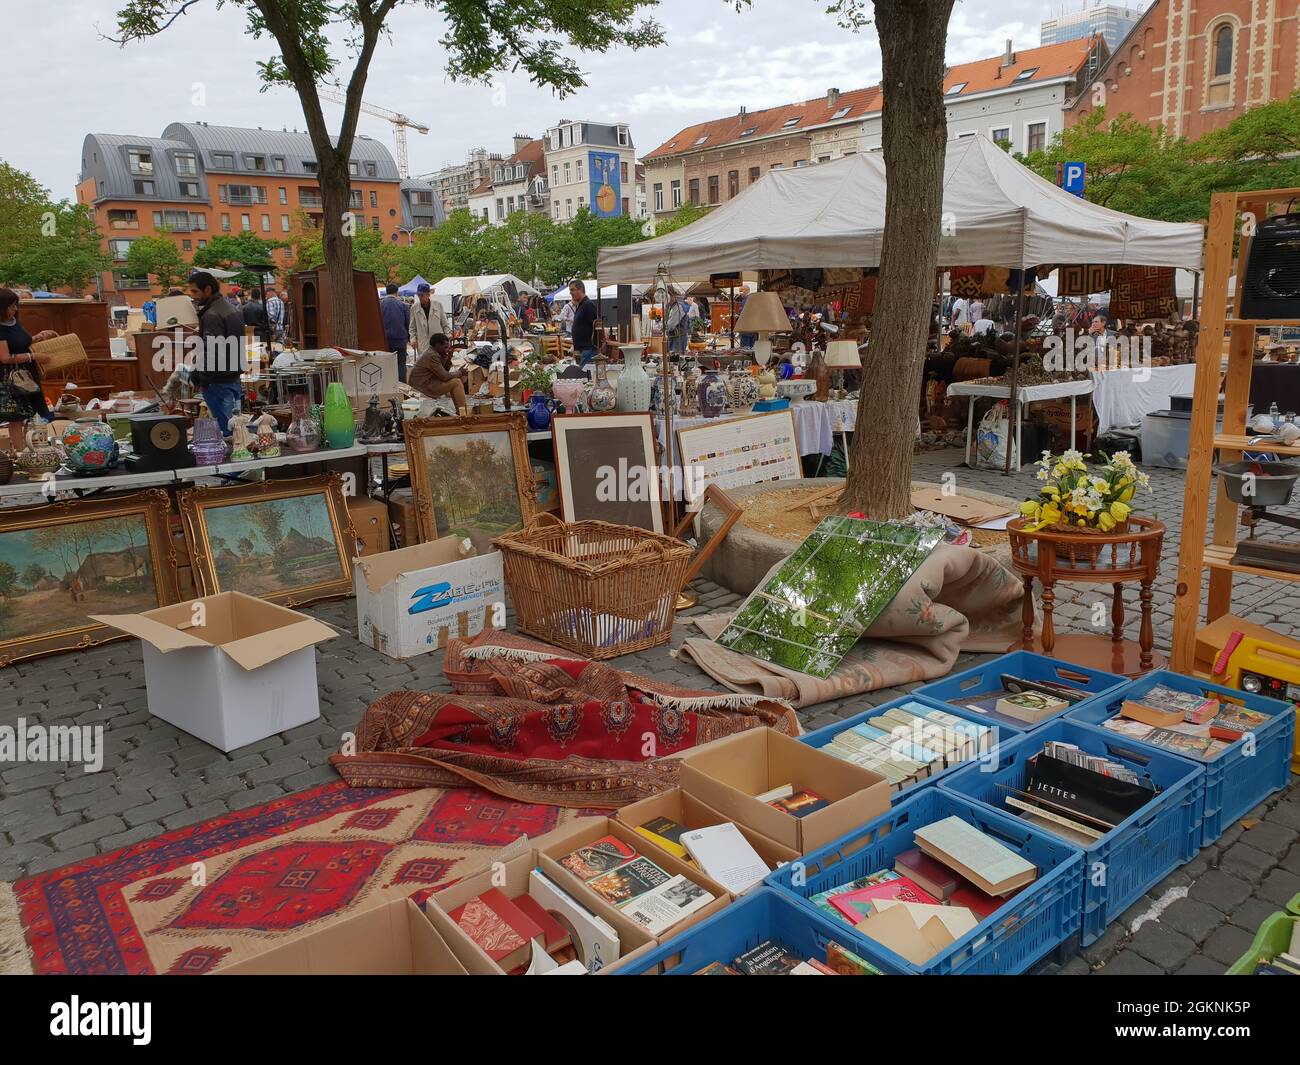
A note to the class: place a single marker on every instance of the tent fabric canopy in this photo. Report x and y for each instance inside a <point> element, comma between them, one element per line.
<point>997,212</point>
<point>460,286</point>
<point>411,287</point>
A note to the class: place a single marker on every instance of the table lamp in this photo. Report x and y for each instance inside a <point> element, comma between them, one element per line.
<point>763,313</point>
<point>842,355</point>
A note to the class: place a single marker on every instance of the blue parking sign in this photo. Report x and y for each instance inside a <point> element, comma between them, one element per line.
<point>1072,178</point>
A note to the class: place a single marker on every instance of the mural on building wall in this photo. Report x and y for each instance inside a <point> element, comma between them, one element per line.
<point>606,184</point>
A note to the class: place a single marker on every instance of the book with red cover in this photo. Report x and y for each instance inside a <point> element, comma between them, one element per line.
<point>556,935</point>
<point>932,876</point>
<point>975,900</point>
<point>800,804</point>
<point>855,905</point>
<point>500,928</point>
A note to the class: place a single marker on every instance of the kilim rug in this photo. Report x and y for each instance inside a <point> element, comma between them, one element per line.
<point>193,899</point>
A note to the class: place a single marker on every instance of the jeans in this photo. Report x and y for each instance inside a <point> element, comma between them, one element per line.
<point>586,355</point>
<point>398,348</point>
<point>222,399</point>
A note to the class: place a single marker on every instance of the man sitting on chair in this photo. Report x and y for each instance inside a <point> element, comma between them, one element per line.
<point>432,374</point>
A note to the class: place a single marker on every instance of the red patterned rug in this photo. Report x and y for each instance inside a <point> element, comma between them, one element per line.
<point>191,900</point>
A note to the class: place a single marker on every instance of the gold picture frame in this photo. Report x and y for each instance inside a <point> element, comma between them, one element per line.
<point>480,518</point>
<point>257,538</point>
<point>60,562</point>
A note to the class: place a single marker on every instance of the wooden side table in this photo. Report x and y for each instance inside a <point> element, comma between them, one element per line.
<point>1131,555</point>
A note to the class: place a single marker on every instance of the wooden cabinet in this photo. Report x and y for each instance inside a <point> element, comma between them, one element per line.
<point>87,318</point>
<point>311,310</point>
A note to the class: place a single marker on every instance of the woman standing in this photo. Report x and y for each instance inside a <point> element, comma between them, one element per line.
<point>16,403</point>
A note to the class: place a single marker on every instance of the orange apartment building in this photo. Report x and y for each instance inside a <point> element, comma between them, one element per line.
<point>198,181</point>
<point>1192,68</point>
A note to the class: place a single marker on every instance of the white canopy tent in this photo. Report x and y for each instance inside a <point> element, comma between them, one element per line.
<point>480,285</point>
<point>997,212</point>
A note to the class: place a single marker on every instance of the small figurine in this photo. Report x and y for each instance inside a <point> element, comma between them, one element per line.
<point>399,416</point>
<point>241,440</point>
<point>375,428</point>
<point>268,447</point>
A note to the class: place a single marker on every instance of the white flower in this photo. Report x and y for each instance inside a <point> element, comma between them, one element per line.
<point>1043,475</point>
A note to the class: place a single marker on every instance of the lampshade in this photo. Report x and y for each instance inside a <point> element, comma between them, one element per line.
<point>843,355</point>
<point>763,313</point>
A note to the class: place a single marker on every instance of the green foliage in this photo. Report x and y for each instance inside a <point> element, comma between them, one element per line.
<point>462,246</point>
<point>45,243</point>
<point>369,251</point>
<point>157,257</point>
<point>684,215</point>
<point>1136,168</point>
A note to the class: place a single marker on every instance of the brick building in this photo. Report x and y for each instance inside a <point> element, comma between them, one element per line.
<point>198,181</point>
<point>1191,68</point>
<point>1017,97</point>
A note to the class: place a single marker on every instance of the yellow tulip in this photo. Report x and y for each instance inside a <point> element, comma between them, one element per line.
<point>1105,522</point>
<point>1127,494</point>
<point>1119,511</point>
<point>1030,509</point>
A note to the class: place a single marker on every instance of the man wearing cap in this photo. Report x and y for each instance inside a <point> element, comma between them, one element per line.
<point>428,319</point>
<point>396,316</point>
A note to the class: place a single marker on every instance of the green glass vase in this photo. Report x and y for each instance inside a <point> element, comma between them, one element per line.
<point>340,423</point>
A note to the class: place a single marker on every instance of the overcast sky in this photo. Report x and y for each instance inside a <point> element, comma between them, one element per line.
<point>61,79</point>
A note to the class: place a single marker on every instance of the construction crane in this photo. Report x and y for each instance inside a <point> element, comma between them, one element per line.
<point>400,123</point>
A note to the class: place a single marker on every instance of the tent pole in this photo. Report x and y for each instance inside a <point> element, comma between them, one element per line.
<point>1012,408</point>
<point>1196,292</point>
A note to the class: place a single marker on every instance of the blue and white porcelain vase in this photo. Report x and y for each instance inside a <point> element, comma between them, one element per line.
<point>633,383</point>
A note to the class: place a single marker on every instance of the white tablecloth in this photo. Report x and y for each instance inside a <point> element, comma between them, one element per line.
<point>1121,397</point>
<point>815,423</point>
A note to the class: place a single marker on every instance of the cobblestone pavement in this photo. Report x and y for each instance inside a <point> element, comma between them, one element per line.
<point>156,778</point>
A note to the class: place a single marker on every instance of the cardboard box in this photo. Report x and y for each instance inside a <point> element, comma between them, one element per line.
<point>557,844</point>
<point>392,940</point>
<point>228,668</point>
<point>690,812</point>
<point>412,601</point>
<point>370,520</point>
<point>729,773</point>
<point>370,373</point>
<point>402,517</point>
<point>510,873</point>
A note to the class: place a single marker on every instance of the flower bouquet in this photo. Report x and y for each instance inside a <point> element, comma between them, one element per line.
<point>1075,499</point>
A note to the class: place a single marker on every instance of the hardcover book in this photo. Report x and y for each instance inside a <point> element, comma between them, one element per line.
<point>499,927</point>
<point>855,905</point>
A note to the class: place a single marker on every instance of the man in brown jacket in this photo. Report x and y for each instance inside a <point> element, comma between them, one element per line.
<point>433,375</point>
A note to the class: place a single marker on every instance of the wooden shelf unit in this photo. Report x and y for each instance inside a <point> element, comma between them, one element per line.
<point>1196,555</point>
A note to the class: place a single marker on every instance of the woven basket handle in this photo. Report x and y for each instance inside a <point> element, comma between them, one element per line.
<point>648,547</point>
<point>537,519</point>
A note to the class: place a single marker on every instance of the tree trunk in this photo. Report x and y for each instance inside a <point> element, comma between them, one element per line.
<point>336,242</point>
<point>914,135</point>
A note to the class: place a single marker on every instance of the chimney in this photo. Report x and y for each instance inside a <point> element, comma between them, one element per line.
<point>742,110</point>
<point>1009,59</point>
<point>832,97</point>
<point>522,140</point>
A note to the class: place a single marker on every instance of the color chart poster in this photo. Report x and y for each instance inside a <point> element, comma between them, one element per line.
<point>740,451</point>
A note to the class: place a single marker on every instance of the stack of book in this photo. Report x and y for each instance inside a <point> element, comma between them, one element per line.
<point>1020,701</point>
<point>524,937</point>
<point>1193,725</point>
<point>773,958</point>
<point>1076,795</point>
<point>909,743</point>
<point>721,851</point>
<point>632,882</point>
<point>935,894</point>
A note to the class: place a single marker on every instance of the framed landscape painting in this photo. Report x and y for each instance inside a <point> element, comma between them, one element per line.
<point>288,542</point>
<point>470,476</point>
<point>61,562</point>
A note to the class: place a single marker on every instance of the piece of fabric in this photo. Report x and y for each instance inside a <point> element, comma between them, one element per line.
<point>959,599</point>
<point>536,724</point>
<point>1140,292</point>
<point>1125,397</point>
<point>966,281</point>
<point>273,873</point>
<point>1084,280</point>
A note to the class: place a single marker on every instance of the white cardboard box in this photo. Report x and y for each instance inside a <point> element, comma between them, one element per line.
<point>413,600</point>
<point>369,373</point>
<point>228,668</point>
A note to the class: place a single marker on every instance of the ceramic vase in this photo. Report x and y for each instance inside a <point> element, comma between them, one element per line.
<point>89,447</point>
<point>539,413</point>
<point>303,433</point>
<point>633,382</point>
<point>742,390</point>
<point>690,391</point>
<point>767,385</point>
<point>568,391</point>
<point>602,397</point>
<point>40,455</point>
<point>340,422</point>
<point>817,372</point>
<point>208,446</point>
<point>713,394</point>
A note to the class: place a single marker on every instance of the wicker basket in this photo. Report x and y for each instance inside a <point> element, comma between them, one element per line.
<point>599,589</point>
<point>65,351</point>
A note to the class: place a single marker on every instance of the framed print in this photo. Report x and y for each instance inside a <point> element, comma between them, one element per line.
<point>470,476</point>
<point>60,562</point>
<point>288,542</point>
<point>606,469</point>
<point>740,452</point>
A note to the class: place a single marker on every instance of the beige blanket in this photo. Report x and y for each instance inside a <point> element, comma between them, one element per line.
<point>959,599</point>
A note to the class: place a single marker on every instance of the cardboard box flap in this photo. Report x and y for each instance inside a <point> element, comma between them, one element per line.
<point>384,568</point>
<point>254,651</point>
<point>164,637</point>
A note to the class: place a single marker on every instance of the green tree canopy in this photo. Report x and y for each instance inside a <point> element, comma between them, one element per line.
<point>45,243</point>
<point>230,251</point>
<point>157,257</point>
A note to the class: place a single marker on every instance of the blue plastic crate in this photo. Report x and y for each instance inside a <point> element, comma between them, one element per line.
<point>1032,922</point>
<point>1235,781</point>
<point>1137,853</point>
<point>822,736</point>
<point>984,678</point>
<point>747,922</point>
